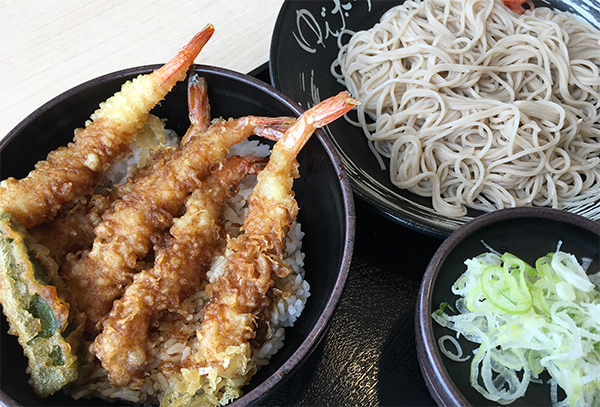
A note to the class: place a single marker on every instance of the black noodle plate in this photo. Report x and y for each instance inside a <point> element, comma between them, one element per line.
<point>303,48</point>
<point>528,233</point>
<point>323,193</point>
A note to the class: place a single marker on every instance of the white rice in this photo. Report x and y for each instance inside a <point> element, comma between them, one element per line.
<point>152,134</point>
<point>175,341</point>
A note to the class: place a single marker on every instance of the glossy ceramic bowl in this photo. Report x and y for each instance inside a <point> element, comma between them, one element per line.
<point>528,233</point>
<point>303,48</point>
<point>322,191</point>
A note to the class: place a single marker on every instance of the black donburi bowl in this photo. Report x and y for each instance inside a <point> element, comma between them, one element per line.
<point>322,191</point>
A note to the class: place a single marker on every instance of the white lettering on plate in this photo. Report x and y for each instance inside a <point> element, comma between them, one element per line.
<point>312,31</point>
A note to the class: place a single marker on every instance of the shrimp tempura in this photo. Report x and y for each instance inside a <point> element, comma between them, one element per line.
<point>74,170</point>
<point>100,275</point>
<point>179,269</point>
<point>238,298</point>
<point>72,229</point>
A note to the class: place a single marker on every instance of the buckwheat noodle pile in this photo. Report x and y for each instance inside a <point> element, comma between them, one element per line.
<point>477,106</point>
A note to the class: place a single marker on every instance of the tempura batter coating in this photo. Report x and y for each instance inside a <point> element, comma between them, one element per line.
<point>179,269</point>
<point>31,291</point>
<point>223,362</point>
<point>74,170</point>
<point>35,311</point>
<point>72,230</point>
<point>128,229</point>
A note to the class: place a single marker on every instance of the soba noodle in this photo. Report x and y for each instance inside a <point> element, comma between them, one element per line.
<point>476,106</point>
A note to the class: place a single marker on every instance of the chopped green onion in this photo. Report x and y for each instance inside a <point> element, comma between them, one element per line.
<point>528,320</point>
<point>506,289</point>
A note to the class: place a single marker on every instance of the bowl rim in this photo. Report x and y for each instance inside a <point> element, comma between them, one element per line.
<point>316,333</point>
<point>387,200</point>
<point>442,388</point>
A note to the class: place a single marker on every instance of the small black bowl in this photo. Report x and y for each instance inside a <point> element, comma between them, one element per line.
<point>528,233</point>
<point>323,193</point>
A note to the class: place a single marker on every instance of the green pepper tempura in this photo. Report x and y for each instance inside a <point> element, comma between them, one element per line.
<point>35,311</point>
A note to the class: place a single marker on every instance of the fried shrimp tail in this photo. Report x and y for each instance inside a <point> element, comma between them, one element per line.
<point>238,298</point>
<point>517,5</point>
<point>134,222</point>
<point>74,170</point>
<point>198,105</point>
<point>179,269</point>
